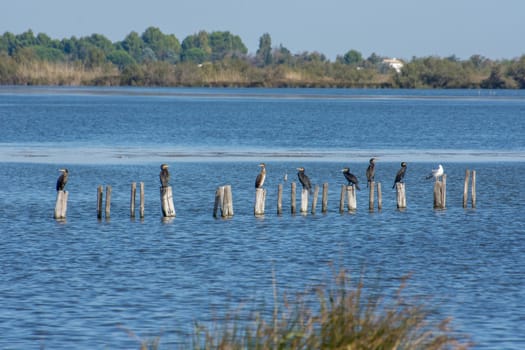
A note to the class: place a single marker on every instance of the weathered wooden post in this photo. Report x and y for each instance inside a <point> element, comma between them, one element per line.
<point>465,188</point>
<point>132,200</point>
<point>304,200</point>
<point>473,194</point>
<point>342,199</point>
<point>260,199</point>
<point>350,195</point>
<point>166,200</point>
<point>401,195</point>
<point>325,198</point>
<point>61,205</point>
<point>371,195</point>
<point>440,193</point>
<point>314,199</point>
<point>227,204</point>
<point>219,194</point>
<point>108,201</point>
<point>379,197</point>
<point>293,197</point>
<point>141,209</point>
<point>100,196</point>
<point>279,199</point>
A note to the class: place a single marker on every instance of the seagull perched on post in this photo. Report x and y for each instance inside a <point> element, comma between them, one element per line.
<point>436,173</point>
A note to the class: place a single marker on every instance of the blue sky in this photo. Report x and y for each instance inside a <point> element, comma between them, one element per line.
<point>402,28</point>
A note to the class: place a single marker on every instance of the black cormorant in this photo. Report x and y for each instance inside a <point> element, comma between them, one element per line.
<point>370,171</point>
<point>436,172</point>
<point>259,181</point>
<point>62,179</point>
<point>304,180</point>
<point>351,178</point>
<point>400,174</point>
<point>164,175</point>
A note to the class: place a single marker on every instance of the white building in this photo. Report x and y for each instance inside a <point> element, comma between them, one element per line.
<point>394,63</point>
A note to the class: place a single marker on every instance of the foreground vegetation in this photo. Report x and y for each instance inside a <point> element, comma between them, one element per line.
<point>342,318</point>
<point>221,59</point>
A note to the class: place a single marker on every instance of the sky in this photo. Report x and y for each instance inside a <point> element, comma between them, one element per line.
<point>397,28</point>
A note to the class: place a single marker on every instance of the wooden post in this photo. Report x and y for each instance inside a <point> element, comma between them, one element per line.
<point>314,199</point>
<point>465,188</point>
<point>260,198</point>
<point>100,196</point>
<point>132,200</point>
<point>141,209</point>
<point>379,197</point>
<point>440,190</point>
<point>342,199</point>
<point>219,194</point>
<point>325,198</point>
<point>304,200</point>
<point>401,195</point>
<point>371,196</point>
<point>473,194</point>
<point>108,201</point>
<point>166,200</point>
<point>279,199</point>
<point>227,202</point>
<point>293,198</point>
<point>61,205</point>
<point>352,201</point>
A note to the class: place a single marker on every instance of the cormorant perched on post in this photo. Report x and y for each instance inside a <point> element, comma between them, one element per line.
<point>304,180</point>
<point>351,178</point>
<point>164,175</point>
<point>400,174</point>
<point>62,179</point>
<point>370,171</point>
<point>259,181</point>
<point>436,172</point>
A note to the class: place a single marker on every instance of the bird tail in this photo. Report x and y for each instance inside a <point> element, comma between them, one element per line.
<point>394,185</point>
<point>357,186</point>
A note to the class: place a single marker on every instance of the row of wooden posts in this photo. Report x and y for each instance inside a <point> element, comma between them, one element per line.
<point>224,199</point>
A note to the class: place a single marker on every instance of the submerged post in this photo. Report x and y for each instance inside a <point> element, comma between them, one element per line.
<point>61,205</point>
<point>293,197</point>
<point>260,198</point>
<point>352,201</point>
<point>325,198</point>
<point>314,199</point>
<point>440,193</point>
<point>132,200</point>
<point>227,204</point>
<point>219,194</point>
<point>166,199</point>
<point>342,199</point>
<point>141,209</point>
<point>473,194</point>
<point>108,201</point>
<point>279,199</point>
<point>371,195</point>
<point>304,201</point>
<point>465,188</point>
<point>100,196</point>
<point>401,195</point>
<point>379,197</point>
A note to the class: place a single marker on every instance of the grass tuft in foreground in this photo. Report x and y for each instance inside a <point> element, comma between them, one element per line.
<point>341,318</point>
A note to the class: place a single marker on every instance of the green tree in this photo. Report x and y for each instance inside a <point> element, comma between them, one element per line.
<point>121,59</point>
<point>166,47</point>
<point>353,57</point>
<point>196,48</point>
<point>225,44</point>
<point>133,45</point>
<point>264,53</point>
<point>516,71</point>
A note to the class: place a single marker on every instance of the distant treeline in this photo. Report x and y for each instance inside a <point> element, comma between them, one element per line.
<point>221,59</point>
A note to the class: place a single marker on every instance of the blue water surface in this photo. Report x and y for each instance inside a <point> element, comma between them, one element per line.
<point>112,283</point>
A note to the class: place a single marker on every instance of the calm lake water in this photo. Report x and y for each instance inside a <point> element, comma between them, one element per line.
<point>97,284</point>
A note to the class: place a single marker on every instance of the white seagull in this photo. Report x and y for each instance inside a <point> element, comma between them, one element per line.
<point>436,173</point>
